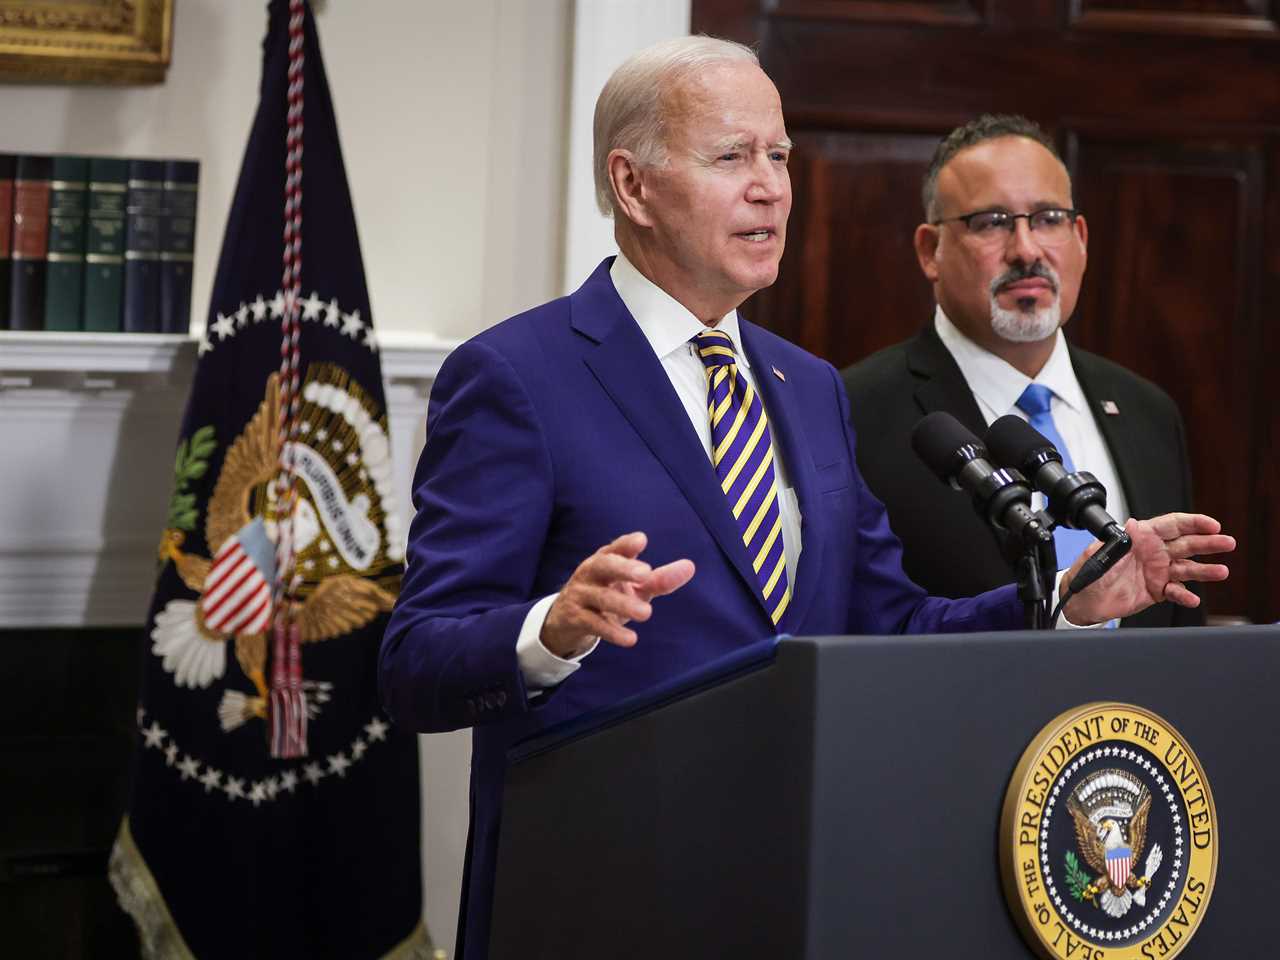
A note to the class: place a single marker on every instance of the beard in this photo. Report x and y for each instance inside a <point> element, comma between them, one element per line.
<point>1033,323</point>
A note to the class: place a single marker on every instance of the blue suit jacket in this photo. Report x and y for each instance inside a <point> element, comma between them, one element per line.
<point>553,433</point>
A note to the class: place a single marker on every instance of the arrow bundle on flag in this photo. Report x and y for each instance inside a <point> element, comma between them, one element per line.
<point>274,811</point>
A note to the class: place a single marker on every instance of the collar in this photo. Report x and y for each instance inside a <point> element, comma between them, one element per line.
<point>998,383</point>
<point>663,320</point>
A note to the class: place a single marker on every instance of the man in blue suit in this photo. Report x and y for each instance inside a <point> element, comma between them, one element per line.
<point>568,442</point>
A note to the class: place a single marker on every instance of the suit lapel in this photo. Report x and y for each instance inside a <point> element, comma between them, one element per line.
<point>787,426</point>
<point>1123,435</point>
<point>627,370</point>
<point>940,384</point>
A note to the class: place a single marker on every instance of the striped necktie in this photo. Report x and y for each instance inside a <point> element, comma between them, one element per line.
<point>742,454</point>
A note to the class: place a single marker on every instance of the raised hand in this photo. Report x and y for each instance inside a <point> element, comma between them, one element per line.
<point>1156,568</point>
<point>608,590</point>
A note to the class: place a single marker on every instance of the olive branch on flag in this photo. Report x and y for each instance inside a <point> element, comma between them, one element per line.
<point>190,464</point>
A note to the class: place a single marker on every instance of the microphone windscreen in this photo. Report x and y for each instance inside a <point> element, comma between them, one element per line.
<point>944,444</point>
<point>1013,442</point>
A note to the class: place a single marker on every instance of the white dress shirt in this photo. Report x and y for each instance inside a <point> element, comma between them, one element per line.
<point>668,327</point>
<point>997,385</point>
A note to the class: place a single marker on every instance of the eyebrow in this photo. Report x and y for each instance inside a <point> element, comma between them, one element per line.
<point>734,142</point>
<point>1034,208</point>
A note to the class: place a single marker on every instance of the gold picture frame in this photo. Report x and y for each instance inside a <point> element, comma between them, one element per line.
<point>85,41</point>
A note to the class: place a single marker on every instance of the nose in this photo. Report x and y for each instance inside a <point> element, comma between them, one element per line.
<point>769,179</point>
<point>1022,245</point>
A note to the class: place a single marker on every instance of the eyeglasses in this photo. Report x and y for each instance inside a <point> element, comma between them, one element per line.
<point>1051,226</point>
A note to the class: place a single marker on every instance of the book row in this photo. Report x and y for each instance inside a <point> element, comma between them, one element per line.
<point>103,244</point>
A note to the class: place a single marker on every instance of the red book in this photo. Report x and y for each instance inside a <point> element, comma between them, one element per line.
<point>30,244</point>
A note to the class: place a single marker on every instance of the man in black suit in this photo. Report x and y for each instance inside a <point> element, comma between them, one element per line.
<point>1005,251</point>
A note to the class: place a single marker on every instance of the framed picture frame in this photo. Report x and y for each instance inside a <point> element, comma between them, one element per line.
<point>85,41</point>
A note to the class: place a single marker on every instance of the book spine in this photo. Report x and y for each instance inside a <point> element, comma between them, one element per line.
<point>143,205</point>
<point>30,242</point>
<point>177,244</point>
<point>7,162</point>
<point>68,217</point>
<point>104,246</point>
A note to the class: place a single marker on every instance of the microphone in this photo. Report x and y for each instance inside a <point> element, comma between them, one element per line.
<point>1076,500</point>
<point>1000,496</point>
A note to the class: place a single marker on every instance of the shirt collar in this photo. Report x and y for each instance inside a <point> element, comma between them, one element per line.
<point>998,383</point>
<point>663,320</point>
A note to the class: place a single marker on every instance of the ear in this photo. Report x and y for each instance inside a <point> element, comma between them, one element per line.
<point>926,240</point>
<point>626,177</point>
<point>1082,231</point>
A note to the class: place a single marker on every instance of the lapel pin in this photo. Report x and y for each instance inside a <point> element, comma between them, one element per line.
<point>1110,409</point>
<point>779,374</point>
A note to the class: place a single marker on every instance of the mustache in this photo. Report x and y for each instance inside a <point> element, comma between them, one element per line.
<point>1023,272</point>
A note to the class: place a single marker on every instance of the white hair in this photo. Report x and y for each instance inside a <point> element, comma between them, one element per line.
<point>629,109</point>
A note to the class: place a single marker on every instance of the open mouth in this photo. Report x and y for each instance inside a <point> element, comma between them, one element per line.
<point>756,236</point>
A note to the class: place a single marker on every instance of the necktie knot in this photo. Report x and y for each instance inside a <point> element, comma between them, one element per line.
<point>714,348</point>
<point>1035,400</point>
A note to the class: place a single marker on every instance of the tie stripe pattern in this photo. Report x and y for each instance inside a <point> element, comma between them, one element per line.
<point>742,453</point>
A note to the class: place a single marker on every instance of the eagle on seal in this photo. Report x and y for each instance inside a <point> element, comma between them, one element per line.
<point>1106,851</point>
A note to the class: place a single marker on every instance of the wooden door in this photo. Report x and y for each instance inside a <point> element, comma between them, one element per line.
<point>1168,114</point>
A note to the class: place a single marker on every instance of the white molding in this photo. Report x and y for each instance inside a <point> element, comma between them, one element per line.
<point>119,353</point>
<point>88,424</point>
<point>410,357</point>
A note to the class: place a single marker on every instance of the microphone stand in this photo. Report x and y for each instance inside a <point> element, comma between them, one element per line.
<point>1037,568</point>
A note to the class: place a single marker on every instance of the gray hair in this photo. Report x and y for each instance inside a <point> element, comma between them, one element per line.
<point>629,109</point>
<point>989,126</point>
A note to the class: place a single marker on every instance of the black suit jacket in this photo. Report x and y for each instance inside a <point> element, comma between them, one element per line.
<point>948,548</point>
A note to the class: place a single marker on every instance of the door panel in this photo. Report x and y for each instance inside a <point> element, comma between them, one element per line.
<point>1168,114</point>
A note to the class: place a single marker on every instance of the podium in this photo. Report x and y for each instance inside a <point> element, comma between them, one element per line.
<point>842,796</point>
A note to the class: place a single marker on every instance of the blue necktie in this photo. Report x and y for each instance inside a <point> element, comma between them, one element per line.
<point>743,457</point>
<point>1035,402</point>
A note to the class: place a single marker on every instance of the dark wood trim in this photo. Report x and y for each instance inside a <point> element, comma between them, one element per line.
<point>1221,25</point>
<point>956,13</point>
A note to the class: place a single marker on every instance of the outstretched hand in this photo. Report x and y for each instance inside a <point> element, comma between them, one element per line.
<point>609,589</point>
<point>1157,568</point>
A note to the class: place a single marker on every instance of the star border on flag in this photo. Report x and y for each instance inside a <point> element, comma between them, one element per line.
<point>314,309</point>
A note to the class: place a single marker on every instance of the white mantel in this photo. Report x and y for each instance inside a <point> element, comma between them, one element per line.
<point>88,428</point>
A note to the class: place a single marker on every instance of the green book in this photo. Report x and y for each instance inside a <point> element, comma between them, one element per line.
<point>68,220</point>
<point>104,246</point>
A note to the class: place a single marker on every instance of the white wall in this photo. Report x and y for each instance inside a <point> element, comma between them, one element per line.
<point>465,128</point>
<point>453,124</point>
<point>452,118</point>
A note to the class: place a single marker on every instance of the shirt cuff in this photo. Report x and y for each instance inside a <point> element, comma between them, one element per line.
<point>1062,623</point>
<point>540,667</point>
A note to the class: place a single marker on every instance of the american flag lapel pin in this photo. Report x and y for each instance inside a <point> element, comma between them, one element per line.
<point>1110,409</point>
<point>779,374</point>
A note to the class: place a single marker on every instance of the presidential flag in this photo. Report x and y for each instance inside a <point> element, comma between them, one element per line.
<point>274,809</point>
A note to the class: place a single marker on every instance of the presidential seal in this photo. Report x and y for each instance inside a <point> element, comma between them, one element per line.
<point>1109,837</point>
